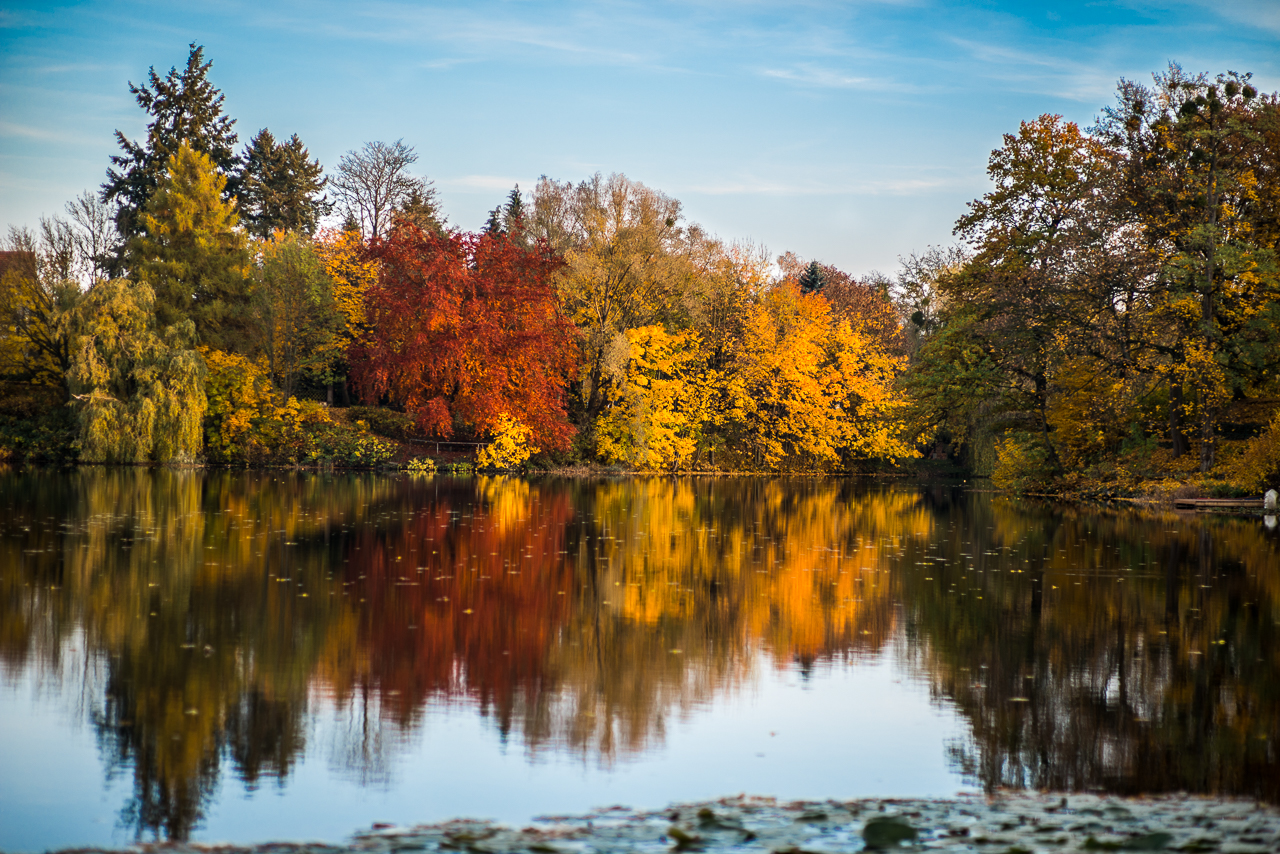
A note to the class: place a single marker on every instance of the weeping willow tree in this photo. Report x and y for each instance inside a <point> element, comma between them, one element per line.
<point>139,396</point>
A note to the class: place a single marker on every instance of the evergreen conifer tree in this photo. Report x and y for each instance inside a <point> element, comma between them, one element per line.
<point>493,225</point>
<point>192,253</point>
<point>280,187</point>
<point>185,108</point>
<point>421,207</point>
<point>812,279</point>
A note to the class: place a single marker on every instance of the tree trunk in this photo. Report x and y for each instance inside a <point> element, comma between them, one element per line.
<point>1177,410</point>
<point>1207,439</point>
<point>595,402</point>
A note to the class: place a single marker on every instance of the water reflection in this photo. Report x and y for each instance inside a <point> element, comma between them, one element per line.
<point>199,617</point>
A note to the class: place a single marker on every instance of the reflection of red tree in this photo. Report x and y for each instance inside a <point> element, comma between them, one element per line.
<point>457,603</point>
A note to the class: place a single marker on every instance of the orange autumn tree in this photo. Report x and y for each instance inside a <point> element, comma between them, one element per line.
<point>464,329</point>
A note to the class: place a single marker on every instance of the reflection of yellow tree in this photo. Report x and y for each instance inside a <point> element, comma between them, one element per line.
<point>585,615</point>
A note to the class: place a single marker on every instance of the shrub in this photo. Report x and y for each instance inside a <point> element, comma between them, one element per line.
<point>421,465</point>
<point>1022,464</point>
<point>510,447</point>
<point>1257,465</point>
<point>384,422</point>
<point>248,423</point>
<point>35,427</point>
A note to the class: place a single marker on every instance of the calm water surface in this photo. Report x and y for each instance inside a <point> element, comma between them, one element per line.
<point>230,656</point>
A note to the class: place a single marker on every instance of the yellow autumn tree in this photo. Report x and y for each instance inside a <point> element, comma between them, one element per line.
<point>805,391</point>
<point>193,254</point>
<point>625,266</point>
<point>34,309</point>
<point>351,273</point>
<point>656,418</point>
<point>509,447</point>
<point>139,396</point>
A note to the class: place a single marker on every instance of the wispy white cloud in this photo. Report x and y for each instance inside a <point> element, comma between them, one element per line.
<point>823,78</point>
<point>471,30</point>
<point>1042,71</point>
<point>1264,14</point>
<point>12,129</point>
<point>75,67</point>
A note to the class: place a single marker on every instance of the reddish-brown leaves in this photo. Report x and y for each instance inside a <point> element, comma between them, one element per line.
<point>463,328</point>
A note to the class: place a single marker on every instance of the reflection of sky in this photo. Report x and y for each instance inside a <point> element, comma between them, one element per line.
<point>850,131</point>
<point>848,731</point>
<point>52,793</point>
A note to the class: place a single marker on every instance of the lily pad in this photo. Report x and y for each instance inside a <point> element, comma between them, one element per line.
<point>684,841</point>
<point>886,831</point>
<point>1156,841</point>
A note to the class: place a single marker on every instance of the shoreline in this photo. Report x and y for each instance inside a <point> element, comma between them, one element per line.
<point>1018,822</point>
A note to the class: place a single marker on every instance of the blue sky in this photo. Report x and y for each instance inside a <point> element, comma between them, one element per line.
<point>851,132</point>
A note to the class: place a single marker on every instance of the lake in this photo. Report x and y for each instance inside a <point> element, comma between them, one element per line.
<point>232,656</point>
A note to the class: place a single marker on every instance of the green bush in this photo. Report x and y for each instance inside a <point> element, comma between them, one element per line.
<point>384,422</point>
<point>48,437</point>
<point>36,425</point>
<point>249,422</point>
<point>1022,464</point>
<point>330,442</point>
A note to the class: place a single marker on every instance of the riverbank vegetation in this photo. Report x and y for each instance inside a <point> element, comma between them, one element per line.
<point>1106,323</point>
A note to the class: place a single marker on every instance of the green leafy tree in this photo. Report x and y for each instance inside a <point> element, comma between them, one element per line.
<point>36,294</point>
<point>280,187</point>
<point>1021,287</point>
<point>295,317</point>
<point>184,108</point>
<point>139,396</point>
<point>192,253</point>
<point>1196,158</point>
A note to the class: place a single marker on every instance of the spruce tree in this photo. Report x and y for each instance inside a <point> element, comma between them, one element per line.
<point>280,187</point>
<point>812,279</point>
<point>421,207</point>
<point>513,210</point>
<point>493,225</point>
<point>508,217</point>
<point>185,108</point>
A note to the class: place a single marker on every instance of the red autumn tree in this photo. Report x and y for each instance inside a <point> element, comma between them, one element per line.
<point>462,328</point>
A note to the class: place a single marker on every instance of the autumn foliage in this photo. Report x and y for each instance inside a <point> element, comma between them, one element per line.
<point>463,329</point>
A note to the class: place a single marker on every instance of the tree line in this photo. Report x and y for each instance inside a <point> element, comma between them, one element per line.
<point>1109,305</point>
<point>1117,316</point>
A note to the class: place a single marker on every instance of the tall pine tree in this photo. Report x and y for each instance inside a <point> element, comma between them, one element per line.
<point>280,187</point>
<point>813,279</point>
<point>185,108</point>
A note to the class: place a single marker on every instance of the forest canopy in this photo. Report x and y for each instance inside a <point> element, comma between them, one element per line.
<point>1108,314</point>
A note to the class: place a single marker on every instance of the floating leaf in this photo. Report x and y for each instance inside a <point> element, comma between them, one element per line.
<point>885,831</point>
<point>684,841</point>
<point>1149,842</point>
